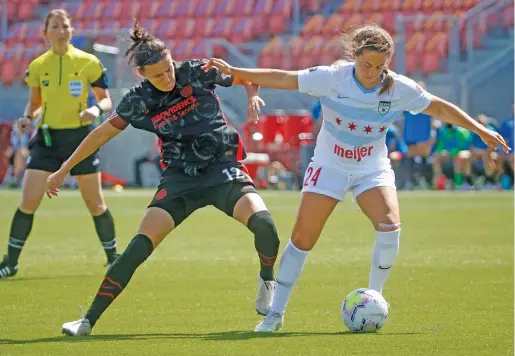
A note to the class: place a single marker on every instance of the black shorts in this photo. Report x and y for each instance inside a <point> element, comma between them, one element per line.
<point>64,143</point>
<point>181,195</point>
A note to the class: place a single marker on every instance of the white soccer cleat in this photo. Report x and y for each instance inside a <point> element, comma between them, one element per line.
<point>265,294</point>
<point>270,323</point>
<point>77,328</point>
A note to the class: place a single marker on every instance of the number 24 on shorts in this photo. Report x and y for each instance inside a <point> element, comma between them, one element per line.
<point>312,176</point>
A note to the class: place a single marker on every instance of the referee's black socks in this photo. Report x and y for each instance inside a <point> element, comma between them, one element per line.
<point>21,226</point>
<point>119,275</point>
<point>266,242</point>
<point>104,225</point>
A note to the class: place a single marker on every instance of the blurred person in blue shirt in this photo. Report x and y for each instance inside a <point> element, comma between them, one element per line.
<point>485,155</point>
<point>506,159</point>
<point>397,152</point>
<point>419,137</point>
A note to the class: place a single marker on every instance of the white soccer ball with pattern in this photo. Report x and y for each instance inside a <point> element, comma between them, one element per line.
<point>364,310</point>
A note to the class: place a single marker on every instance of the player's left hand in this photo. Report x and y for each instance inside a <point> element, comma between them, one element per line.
<point>53,182</point>
<point>494,140</point>
<point>254,108</point>
<point>222,66</point>
<point>90,114</point>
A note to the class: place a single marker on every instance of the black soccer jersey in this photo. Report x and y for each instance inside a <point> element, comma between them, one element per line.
<point>188,120</point>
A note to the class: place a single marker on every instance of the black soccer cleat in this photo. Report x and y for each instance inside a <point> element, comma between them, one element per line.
<point>7,269</point>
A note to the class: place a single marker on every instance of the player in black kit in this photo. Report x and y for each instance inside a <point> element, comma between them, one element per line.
<point>201,153</point>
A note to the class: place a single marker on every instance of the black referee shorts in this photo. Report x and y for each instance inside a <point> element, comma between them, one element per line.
<point>64,143</point>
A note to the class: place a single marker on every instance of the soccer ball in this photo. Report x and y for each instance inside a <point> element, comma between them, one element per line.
<point>364,310</point>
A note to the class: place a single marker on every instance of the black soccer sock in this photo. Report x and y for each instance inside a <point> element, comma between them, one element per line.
<point>20,230</point>
<point>469,180</point>
<point>104,225</point>
<point>266,242</point>
<point>119,275</point>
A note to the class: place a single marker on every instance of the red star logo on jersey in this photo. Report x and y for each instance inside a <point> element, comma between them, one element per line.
<point>368,129</point>
<point>382,129</point>
<point>338,121</point>
<point>352,126</point>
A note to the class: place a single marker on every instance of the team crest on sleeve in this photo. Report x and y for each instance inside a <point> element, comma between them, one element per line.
<point>384,107</point>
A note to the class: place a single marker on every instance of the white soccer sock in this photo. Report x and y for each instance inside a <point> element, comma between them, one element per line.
<point>290,268</point>
<point>383,256</point>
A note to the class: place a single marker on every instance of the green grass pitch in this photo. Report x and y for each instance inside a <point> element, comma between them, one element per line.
<point>450,291</point>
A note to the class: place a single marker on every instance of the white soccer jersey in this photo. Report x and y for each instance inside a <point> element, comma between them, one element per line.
<point>356,119</point>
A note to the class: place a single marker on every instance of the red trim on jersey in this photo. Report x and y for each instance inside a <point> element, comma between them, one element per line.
<point>160,145</point>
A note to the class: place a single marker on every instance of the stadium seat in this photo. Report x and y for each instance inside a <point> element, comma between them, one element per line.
<point>430,63</point>
<point>370,5</point>
<point>507,19</point>
<point>332,26</point>
<point>354,20</point>
<point>276,24</point>
<point>390,5</point>
<point>429,6</point>
<point>8,70</point>
<point>27,10</point>
<point>241,30</point>
<point>412,62</point>
<point>263,7</point>
<point>314,26</point>
<point>350,7</point>
<point>438,44</point>
<point>243,8</point>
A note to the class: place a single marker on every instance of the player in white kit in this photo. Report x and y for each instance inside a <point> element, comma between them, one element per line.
<point>360,100</point>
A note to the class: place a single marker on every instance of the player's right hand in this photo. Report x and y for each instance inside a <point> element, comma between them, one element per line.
<point>24,124</point>
<point>222,66</point>
<point>53,182</point>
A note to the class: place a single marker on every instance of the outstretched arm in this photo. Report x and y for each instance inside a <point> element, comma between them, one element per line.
<point>454,115</point>
<point>96,139</point>
<point>267,78</point>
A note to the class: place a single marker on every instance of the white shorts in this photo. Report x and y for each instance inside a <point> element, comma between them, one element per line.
<point>335,183</point>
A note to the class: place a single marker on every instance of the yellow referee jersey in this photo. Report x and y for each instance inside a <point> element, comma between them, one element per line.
<point>64,82</point>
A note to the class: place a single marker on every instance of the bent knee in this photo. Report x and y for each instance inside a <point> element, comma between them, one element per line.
<point>389,223</point>
<point>96,206</point>
<point>303,240</point>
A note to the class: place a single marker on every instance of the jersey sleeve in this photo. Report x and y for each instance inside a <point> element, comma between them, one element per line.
<point>132,105</point>
<point>32,75</point>
<point>413,97</point>
<point>316,81</point>
<point>214,76</point>
<point>96,74</point>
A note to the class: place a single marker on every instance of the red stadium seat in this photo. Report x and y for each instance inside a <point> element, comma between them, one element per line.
<point>243,8</point>
<point>350,6</point>
<point>389,23</point>
<point>8,69</point>
<point>390,5</point>
<point>430,63</point>
<point>27,10</point>
<point>354,20</point>
<point>416,43</point>
<point>507,19</point>
<point>263,7</point>
<point>429,6</point>
<point>332,26</point>
<point>314,26</point>
<point>202,9</point>
<point>276,24</point>
<point>241,30</point>
<point>438,44</point>
<point>370,5</point>
<point>283,8</point>
<point>377,18</point>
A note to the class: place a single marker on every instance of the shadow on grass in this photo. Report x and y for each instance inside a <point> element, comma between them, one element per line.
<point>220,336</point>
<point>43,278</point>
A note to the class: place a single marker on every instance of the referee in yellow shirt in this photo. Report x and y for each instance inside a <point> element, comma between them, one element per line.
<point>58,81</point>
